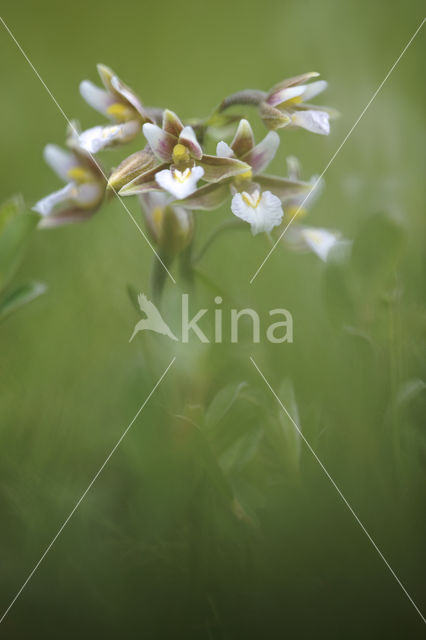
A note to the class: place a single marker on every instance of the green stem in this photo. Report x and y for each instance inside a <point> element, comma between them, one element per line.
<point>185,267</point>
<point>225,226</point>
<point>159,276</point>
<point>248,96</point>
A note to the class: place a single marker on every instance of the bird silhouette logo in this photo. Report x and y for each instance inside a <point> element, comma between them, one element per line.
<point>153,320</point>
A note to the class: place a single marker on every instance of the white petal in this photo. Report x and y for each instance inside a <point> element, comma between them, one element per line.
<point>278,97</point>
<point>189,139</point>
<point>97,98</point>
<point>263,153</point>
<point>88,195</point>
<point>98,138</point>
<point>160,141</point>
<point>264,217</point>
<point>223,150</point>
<point>56,201</point>
<point>59,161</point>
<point>313,89</point>
<point>312,120</point>
<point>319,240</point>
<point>179,189</point>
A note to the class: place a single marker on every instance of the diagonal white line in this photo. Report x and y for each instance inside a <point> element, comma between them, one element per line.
<point>70,124</point>
<point>77,504</point>
<point>340,147</point>
<point>299,431</point>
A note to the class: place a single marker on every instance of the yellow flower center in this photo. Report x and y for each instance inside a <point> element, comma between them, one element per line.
<point>241,178</point>
<point>80,175</point>
<point>291,101</point>
<point>120,112</point>
<point>181,154</point>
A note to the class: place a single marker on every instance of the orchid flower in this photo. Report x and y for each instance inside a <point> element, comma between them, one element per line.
<point>286,105</point>
<point>257,199</point>
<point>300,237</point>
<point>119,104</point>
<point>81,196</point>
<point>181,161</point>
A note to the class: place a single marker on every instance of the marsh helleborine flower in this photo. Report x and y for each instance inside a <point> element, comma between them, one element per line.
<point>181,162</point>
<point>119,104</point>
<point>287,105</point>
<point>81,196</point>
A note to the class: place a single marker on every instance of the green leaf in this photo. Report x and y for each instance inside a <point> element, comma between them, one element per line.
<point>20,296</point>
<point>242,451</point>
<point>222,403</point>
<point>284,436</point>
<point>16,226</point>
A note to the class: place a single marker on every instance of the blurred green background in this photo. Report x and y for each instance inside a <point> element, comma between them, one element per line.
<point>212,519</point>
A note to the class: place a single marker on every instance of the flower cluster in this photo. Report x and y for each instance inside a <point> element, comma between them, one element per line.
<point>173,175</point>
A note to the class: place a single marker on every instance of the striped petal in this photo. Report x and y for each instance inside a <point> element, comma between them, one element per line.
<point>284,188</point>
<point>133,166</point>
<point>207,198</point>
<point>144,182</point>
<point>243,141</point>
<point>295,80</point>
<point>216,169</point>
<point>171,123</point>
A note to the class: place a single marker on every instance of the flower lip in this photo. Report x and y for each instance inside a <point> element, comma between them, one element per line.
<point>179,183</point>
<point>262,210</point>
